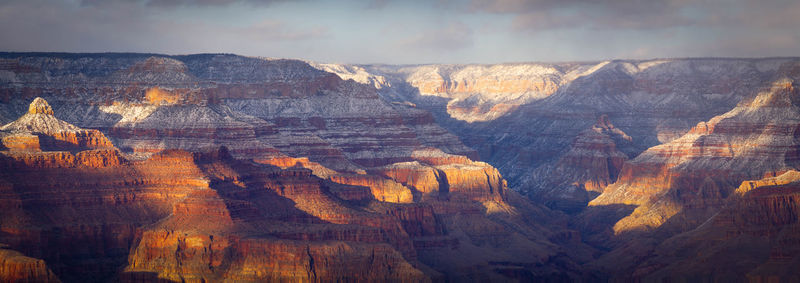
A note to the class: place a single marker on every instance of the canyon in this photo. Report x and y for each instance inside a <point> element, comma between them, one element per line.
<point>217,167</point>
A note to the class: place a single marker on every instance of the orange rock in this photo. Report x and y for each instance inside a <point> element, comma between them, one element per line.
<point>413,174</point>
<point>15,267</point>
<point>40,106</point>
<point>382,189</point>
<point>696,172</point>
<point>21,142</point>
<point>51,133</point>
<point>158,96</point>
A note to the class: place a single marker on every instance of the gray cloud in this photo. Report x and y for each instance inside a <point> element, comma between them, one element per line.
<point>130,26</point>
<point>179,3</point>
<point>377,4</point>
<point>597,14</point>
<point>408,31</point>
<point>453,36</point>
<point>536,15</point>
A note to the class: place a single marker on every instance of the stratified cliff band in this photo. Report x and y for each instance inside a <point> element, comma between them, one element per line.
<point>216,167</point>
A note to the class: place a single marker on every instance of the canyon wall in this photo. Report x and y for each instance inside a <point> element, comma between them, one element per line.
<point>528,131</point>
<point>685,134</point>
<point>217,167</point>
<point>174,203</point>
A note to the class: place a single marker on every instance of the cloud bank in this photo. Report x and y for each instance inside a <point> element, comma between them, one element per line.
<point>392,31</point>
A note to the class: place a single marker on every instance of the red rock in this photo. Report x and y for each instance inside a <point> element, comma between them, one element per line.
<point>15,267</point>
<point>698,170</point>
<point>216,216</point>
<point>21,142</point>
<point>49,132</point>
<point>591,164</point>
<point>422,178</point>
<point>382,189</point>
<point>753,237</point>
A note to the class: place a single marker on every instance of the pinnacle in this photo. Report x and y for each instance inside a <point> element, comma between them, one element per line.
<point>40,106</point>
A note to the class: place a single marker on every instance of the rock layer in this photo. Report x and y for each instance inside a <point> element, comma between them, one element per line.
<point>592,163</point>
<point>755,235</point>
<point>39,129</point>
<point>256,107</point>
<point>15,267</point>
<point>700,169</point>
<point>98,214</point>
<point>652,101</point>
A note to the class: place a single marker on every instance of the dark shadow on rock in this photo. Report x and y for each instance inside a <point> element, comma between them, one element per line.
<point>596,223</point>
<point>141,277</point>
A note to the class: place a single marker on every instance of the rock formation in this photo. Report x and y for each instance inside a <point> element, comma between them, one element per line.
<point>701,168</point>
<point>592,163</point>
<point>256,107</point>
<point>85,211</point>
<point>678,176</point>
<point>39,129</point>
<point>652,101</point>
<point>15,267</point>
<point>754,237</point>
<point>473,92</point>
<point>231,168</point>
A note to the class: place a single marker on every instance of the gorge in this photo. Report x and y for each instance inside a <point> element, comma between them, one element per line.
<point>217,167</point>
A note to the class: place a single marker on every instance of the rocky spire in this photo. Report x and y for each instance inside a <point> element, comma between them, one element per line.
<point>40,106</point>
<point>33,122</point>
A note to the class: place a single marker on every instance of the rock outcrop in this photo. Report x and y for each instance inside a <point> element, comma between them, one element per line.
<point>472,92</point>
<point>85,213</point>
<point>15,267</point>
<point>256,107</point>
<point>755,238</point>
<point>592,163</point>
<point>39,129</point>
<point>703,167</point>
<point>652,101</point>
<point>234,168</point>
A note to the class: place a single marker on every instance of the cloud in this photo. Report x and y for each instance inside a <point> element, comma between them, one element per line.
<point>453,36</point>
<point>537,15</point>
<point>763,14</point>
<point>594,14</point>
<point>129,26</point>
<point>408,31</point>
<point>377,4</point>
<point>277,30</point>
<point>762,44</point>
<point>179,3</point>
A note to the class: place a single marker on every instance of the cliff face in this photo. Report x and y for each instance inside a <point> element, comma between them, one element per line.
<point>652,101</point>
<point>700,169</point>
<point>15,267</point>
<point>258,108</point>
<point>258,223</point>
<point>39,129</point>
<point>473,92</point>
<point>685,134</point>
<point>592,163</point>
<point>679,187</point>
<point>87,211</point>
<point>754,238</point>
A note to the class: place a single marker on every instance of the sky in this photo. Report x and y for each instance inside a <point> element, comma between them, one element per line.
<point>409,31</point>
